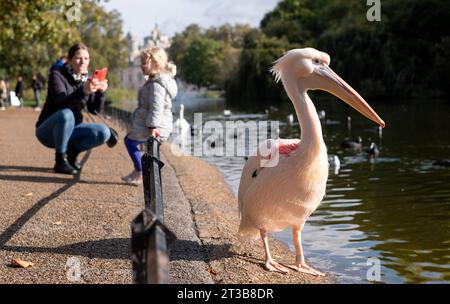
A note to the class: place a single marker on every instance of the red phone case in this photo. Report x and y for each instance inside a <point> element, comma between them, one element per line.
<point>100,74</point>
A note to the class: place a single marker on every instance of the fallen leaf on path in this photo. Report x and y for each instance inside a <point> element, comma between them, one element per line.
<point>212,271</point>
<point>21,263</point>
<point>28,194</point>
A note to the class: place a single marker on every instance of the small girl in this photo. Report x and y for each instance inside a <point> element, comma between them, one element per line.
<point>153,117</point>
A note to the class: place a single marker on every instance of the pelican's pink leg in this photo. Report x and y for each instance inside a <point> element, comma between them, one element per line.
<point>300,264</point>
<point>270,264</point>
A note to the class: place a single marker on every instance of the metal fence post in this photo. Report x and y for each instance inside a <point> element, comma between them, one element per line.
<point>149,235</point>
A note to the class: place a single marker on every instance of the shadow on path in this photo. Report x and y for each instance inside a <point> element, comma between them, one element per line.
<point>9,232</point>
<point>120,248</point>
<point>117,248</point>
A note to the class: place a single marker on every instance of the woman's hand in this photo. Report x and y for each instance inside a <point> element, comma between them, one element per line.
<point>154,132</point>
<point>94,85</point>
<point>90,86</point>
<point>102,85</point>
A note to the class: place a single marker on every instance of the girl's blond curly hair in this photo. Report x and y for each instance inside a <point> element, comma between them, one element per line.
<point>159,56</point>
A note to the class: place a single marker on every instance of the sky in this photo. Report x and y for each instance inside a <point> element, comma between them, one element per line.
<point>172,16</point>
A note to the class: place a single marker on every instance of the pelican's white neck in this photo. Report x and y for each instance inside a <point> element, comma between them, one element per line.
<point>310,128</point>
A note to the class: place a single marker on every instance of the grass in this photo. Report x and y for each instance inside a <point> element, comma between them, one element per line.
<point>115,96</point>
<point>213,94</point>
<point>119,95</point>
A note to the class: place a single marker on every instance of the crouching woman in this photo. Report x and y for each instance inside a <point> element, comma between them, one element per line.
<point>60,125</point>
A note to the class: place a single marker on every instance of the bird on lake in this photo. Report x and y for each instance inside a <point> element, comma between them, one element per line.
<point>181,125</point>
<point>322,114</point>
<point>373,150</point>
<point>380,132</point>
<point>355,144</point>
<point>282,188</point>
<point>335,163</point>
<point>290,119</point>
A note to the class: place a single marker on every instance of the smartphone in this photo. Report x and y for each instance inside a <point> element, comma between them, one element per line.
<point>100,74</point>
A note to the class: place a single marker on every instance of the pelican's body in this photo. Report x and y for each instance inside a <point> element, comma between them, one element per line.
<point>282,188</point>
<point>305,166</point>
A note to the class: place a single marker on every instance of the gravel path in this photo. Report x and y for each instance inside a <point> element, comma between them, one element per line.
<point>74,229</point>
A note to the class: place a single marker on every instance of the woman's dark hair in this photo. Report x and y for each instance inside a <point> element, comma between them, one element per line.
<point>75,48</point>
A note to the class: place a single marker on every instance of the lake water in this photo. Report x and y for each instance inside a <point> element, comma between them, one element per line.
<point>393,211</point>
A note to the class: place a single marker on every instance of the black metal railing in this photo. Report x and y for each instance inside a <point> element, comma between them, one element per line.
<point>149,236</point>
<point>121,117</point>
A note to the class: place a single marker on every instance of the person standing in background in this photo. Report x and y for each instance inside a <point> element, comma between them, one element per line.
<point>3,95</point>
<point>19,90</point>
<point>36,85</point>
<point>8,91</point>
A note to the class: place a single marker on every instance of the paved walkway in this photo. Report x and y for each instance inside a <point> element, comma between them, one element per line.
<point>76,229</point>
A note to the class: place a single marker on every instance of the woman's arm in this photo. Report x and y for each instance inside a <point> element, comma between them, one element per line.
<point>59,95</point>
<point>96,102</point>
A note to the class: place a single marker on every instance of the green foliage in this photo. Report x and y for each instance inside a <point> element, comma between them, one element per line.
<point>208,57</point>
<point>33,34</point>
<point>116,95</point>
<point>180,43</point>
<point>102,32</point>
<point>253,81</point>
<point>201,61</point>
<point>407,54</point>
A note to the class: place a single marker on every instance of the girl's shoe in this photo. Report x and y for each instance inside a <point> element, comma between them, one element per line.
<point>133,179</point>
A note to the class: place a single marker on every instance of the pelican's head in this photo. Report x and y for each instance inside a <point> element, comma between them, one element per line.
<point>311,71</point>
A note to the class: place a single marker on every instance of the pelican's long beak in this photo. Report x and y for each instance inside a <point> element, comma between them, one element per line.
<point>339,88</point>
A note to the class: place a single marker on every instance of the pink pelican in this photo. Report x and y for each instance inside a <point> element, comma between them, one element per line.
<point>272,198</point>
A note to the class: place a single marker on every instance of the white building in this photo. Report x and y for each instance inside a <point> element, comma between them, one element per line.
<point>131,77</point>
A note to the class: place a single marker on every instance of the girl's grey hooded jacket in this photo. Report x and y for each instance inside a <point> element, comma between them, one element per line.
<point>154,108</point>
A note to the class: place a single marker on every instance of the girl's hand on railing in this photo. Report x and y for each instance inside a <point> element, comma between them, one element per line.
<point>154,132</point>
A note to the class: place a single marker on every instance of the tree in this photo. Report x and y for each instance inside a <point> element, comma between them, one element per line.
<point>218,50</point>
<point>405,55</point>
<point>202,61</point>
<point>30,33</point>
<point>34,33</point>
<point>181,41</point>
<point>253,82</point>
<point>102,32</point>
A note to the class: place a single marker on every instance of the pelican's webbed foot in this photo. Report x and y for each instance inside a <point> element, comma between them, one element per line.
<point>301,266</point>
<point>271,265</point>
